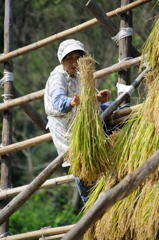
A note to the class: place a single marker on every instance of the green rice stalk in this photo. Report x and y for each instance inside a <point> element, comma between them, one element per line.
<point>151,47</point>
<point>89,153</point>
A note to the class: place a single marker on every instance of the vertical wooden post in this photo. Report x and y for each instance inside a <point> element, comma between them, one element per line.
<point>7,115</point>
<point>125,43</point>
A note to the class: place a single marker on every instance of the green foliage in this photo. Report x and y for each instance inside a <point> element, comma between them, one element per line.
<point>47,207</point>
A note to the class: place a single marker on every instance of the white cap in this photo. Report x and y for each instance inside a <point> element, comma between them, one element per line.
<point>69,46</point>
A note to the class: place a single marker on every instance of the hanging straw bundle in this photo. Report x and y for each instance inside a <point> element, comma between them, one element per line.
<point>135,217</point>
<point>89,144</point>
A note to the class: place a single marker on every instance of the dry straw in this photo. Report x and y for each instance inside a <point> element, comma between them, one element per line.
<point>89,143</point>
<point>135,217</point>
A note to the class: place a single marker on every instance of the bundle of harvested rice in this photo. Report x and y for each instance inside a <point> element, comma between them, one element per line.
<point>89,144</point>
<point>135,217</point>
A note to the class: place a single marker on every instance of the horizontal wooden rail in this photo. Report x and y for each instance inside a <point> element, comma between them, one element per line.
<point>108,198</point>
<point>25,144</point>
<point>117,67</point>
<point>49,183</point>
<point>39,233</point>
<point>69,32</point>
<point>22,100</point>
<point>98,74</point>
<point>59,236</point>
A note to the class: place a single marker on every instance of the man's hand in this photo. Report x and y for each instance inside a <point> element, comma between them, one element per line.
<point>76,100</point>
<point>104,95</point>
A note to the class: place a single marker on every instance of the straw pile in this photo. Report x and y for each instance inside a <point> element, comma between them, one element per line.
<point>89,144</point>
<point>137,216</point>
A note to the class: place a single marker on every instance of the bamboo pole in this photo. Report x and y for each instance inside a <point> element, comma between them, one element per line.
<point>36,117</point>
<point>124,95</point>
<point>25,144</point>
<point>123,112</point>
<point>39,233</point>
<point>108,198</point>
<point>124,76</point>
<point>22,197</point>
<point>117,67</point>
<point>7,115</point>
<point>21,99</point>
<point>107,24</point>
<point>59,236</point>
<point>49,183</point>
<point>69,32</point>
<point>40,94</point>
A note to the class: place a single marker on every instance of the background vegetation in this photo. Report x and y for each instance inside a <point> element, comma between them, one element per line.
<point>33,21</point>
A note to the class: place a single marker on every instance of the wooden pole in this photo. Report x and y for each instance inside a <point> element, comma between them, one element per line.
<point>106,22</point>
<point>123,112</point>
<point>108,198</point>
<point>124,95</point>
<point>36,117</point>
<point>7,115</point>
<point>69,32</point>
<point>117,67</point>
<point>59,236</point>
<point>25,144</point>
<point>22,197</point>
<point>125,43</point>
<point>49,183</point>
<point>39,233</point>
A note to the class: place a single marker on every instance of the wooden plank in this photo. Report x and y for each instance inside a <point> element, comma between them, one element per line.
<point>108,198</point>
<point>7,115</point>
<point>69,32</point>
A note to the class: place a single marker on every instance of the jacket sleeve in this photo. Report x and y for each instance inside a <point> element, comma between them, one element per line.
<point>60,101</point>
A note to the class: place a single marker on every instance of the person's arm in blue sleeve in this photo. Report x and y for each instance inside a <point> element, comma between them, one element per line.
<point>61,102</point>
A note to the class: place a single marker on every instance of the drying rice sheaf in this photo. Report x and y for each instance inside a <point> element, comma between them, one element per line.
<point>89,144</point>
<point>137,216</point>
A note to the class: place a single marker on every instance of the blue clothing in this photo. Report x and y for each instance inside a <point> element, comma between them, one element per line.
<point>61,102</point>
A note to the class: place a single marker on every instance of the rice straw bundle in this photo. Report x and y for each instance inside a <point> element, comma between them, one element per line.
<point>135,217</point>
<point>89,143</point>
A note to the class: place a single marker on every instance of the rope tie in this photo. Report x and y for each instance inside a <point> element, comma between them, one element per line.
<point>123,32</point>
<point>5,234</point>
<point>43,237</point>
<point>5,97</point>
<point>8,77</point>
<point>125,59</point>
<point>116,11</point>
<point>125,88</point>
